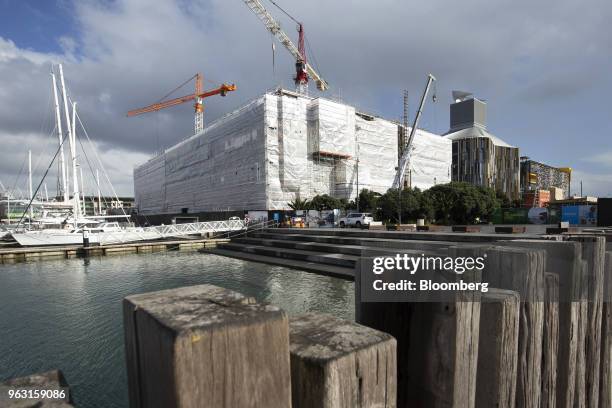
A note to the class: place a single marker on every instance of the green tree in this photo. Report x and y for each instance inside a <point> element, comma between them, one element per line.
<point>388,206</point>
<point>486,204</point>
<point>368,200</point>
<point>414,205</point>
<point>345,204</point>
<point>503,199</point>
<point>325,202</point>
<point>299,204</point>
<point>462,203</point>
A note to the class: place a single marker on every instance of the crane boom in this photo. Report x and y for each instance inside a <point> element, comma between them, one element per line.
<point>274,28</point>
<point>222,90</point>
<point>198,95</point>
<point>398,181</point>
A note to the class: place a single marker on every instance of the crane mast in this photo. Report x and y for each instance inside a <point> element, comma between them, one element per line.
<point>302,66</point>
<point>398,181</point>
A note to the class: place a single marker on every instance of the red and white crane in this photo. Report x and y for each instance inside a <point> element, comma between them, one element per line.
<point>303,69</point>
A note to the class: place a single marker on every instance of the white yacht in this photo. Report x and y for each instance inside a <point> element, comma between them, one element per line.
<point>64,236</point>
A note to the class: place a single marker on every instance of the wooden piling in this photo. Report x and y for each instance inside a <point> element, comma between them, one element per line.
<point>605,381</point>
<point>593,255</point>
<point>498,349</point>
<point>522,270</point>
<point>340,364</point>
<point>205,345</point>
<point>563,258</point>
<point>437,349</point>
<point>550,345</point>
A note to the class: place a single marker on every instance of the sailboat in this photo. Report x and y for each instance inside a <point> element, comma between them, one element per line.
<point>62,222</point>
<point>75,225</point>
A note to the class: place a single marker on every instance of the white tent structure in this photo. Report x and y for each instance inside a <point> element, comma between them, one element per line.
<point>279,147</point>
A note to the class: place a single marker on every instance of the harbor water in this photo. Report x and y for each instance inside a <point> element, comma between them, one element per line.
<point>67,313</point>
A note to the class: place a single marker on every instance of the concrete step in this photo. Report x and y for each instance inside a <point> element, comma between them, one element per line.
<point>359,249</point>
<point>404,235</point>
<point>332,242</point>
<point>320,269</point>
<point>343,260</point>
<point>300,245</point>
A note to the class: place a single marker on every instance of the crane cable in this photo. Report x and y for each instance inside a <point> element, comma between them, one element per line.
<point>305,37</point>
<point>281,9</point>
<point>176,89</point>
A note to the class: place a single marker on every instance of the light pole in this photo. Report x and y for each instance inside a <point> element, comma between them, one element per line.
<point>357,164</point>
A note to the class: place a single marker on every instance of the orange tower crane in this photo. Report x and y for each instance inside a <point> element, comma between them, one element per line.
<point>198,96</point>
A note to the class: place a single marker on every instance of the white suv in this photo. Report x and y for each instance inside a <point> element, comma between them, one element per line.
<point>358,220</point>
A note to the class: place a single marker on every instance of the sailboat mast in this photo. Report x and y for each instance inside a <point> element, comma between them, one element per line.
<point>82,188</point>
<point>99,196</point>
<point>67,113</point>
<point>75,180</point>
<point>30,183</point>
<point>58,120</point>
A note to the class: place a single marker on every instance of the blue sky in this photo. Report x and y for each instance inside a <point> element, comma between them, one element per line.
<point>544,69</point>
<point>37,24</point>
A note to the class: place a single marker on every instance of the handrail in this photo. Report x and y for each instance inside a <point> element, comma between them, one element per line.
<point>170,230</point>
<point>257,226</point>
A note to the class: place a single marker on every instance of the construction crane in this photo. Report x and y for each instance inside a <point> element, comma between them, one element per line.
<point>303,69</point>
<point>398,181</point>
<point>198,96</point>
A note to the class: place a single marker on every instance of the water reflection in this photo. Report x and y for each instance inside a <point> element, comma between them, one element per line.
<point>67,313</point>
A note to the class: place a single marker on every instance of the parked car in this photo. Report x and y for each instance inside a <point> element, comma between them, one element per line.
<point>359,220</point>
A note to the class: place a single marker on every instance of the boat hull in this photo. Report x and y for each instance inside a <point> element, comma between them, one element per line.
<point>43,238</point>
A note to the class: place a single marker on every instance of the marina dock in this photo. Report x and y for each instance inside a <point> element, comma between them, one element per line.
<point>19,254</point>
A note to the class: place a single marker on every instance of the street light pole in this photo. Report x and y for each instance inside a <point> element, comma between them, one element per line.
<point>357,163</point>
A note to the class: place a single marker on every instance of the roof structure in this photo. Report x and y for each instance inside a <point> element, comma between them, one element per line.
<point>474,132</point>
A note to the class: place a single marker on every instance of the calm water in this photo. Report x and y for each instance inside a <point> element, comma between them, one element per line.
<point>66,313</point>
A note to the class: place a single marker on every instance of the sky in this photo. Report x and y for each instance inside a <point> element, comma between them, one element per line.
<point>544,68</point>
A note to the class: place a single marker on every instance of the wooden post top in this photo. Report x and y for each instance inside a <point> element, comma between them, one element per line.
<point>201,307</point>
<point>319,337</point>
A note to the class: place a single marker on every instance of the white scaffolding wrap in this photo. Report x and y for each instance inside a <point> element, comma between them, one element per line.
<point>377,152</point>
<point>331,128</point>
<point>430,161</point>
<point>280,147</point>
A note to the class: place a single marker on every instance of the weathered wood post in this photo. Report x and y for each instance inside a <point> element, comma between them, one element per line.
<point>205,346</point>
<point>593,253</point>
<point>437,347</point>
<point>522,270</point>
<point>580,391</point>
<point>550,341</point>
<point>340,364</point>
<point>563,258</point>
<point>498,349</point>
<point>605,388</point>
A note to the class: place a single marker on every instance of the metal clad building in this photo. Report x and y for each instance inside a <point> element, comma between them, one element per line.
<point>540,176</point>
<point>279,147</point>
<point>479,157</point>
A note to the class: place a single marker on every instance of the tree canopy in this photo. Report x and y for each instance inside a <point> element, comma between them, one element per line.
<point>451,203</point>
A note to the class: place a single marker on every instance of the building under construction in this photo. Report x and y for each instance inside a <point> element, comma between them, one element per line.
<point>480,157</point>
<point>280,147</point>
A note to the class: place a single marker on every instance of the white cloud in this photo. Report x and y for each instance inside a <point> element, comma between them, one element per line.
<point>603,159</point>
<point>128,53</point>
<point>593,184</point>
